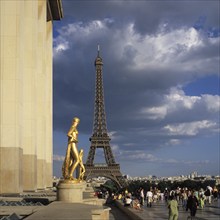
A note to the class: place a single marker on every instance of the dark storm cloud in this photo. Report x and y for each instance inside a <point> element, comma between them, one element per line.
<point>73,91</point>
<point>147,15</point>
<point>148,48</point>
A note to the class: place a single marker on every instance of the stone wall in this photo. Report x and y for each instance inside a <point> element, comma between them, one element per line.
<point>25,96</point>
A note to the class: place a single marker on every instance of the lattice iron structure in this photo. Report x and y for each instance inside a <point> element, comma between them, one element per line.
<point>100,137</point>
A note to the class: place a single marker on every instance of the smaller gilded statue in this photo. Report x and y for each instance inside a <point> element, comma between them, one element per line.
<point>73,157</point>
<point>81,165</point>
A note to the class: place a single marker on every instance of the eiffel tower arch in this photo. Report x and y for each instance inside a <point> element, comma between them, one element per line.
<point>100,137</point>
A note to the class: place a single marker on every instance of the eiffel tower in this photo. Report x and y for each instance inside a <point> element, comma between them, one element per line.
<point>100,137</point>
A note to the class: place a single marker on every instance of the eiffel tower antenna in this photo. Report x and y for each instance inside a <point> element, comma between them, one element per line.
<point>100,137</point>
<point>98,49</point>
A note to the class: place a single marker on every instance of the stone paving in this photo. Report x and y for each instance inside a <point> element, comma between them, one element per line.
<point>159,210</point>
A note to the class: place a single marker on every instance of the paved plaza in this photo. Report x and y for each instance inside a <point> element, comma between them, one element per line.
<point>159,210</point>
<point>61,211</point>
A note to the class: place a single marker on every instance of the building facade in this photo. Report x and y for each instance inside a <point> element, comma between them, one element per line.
<point>26,93</point>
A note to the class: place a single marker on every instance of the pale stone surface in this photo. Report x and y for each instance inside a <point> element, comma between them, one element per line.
<point>48,103</point>
<point>41,88</point>
<point>64,210</point>
<point>10,170</point>
<point>28,98</point>
<point>160,211</point>
<point>29,172</point>
<point>26,93</point>
<point>100,214</point>
<point>41,174</point>
<point>19,210</point>
<point>49,177</point>
<point>70,192</point>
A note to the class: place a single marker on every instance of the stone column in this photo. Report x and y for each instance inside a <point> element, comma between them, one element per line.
<point>49,103</point>
<point>40,98</point>
<point>10,99</point>
<point>29,48</point>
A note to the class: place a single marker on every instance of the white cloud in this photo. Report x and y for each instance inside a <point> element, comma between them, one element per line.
<point>154,112</point>
<point>173,142</point>
<point>139,156</point>
<point>190,128</point>
<point>195,162</point>
<point>112,134</point>
<point>172,161</point>
<point>177,98</point>
<point>58,157</point>
<point>80,32</point>
<point>164,50</point>
<point>142,156</point>
<point>115,148</point>
<point>187,162</point>
<point>177,102</point>
<point>60,46</point>
<point>212,102</point>
<point>74,32</point>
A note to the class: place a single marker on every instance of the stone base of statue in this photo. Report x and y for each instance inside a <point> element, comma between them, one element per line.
<point>70,191</point>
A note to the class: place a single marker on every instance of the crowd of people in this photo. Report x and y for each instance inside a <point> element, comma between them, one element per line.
<point>187,199</point>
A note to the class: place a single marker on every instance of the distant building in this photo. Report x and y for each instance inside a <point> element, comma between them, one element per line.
<point>26,93</point>
<point>193,175</point>
<point>217,180</point>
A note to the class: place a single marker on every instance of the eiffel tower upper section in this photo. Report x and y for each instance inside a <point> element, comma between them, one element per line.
<point>99,123</point>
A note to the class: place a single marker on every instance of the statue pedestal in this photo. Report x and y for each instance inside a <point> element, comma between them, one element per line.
<point>70,191</point>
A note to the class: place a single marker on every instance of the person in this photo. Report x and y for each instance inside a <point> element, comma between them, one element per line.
<point>155,195</point>
<point>128,201</point>
<point>119,196</point>
<point>208,194</point>
<point>166,194</point>
<point>72,159</point>
<point>173,208</point>
<point>215,194</point>
<point>142,196</point>
<point>201,201</point>
<point>149,198</point>
<point>184,199</point>
<point>136,204</point>
<point>192,204</point>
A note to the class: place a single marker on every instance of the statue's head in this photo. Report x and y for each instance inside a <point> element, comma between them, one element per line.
<point>77,120</point>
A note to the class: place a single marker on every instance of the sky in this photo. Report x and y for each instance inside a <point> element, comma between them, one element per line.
<point>161,83</point>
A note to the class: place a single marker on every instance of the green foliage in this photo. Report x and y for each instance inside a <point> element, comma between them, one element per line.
<point>133,186</point>
<point>163,185</point>
<point>109,185</point>
<point>208,183</point>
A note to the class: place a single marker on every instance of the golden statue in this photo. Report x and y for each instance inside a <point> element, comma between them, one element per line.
<point>73,157</point>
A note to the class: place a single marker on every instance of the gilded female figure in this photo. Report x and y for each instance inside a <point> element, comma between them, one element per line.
<point>72,159</point>
<point>81,166</point>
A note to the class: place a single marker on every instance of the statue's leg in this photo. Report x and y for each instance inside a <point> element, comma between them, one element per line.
<point>82,170</point>
<point>75,155</point>
<point>71,167</point>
